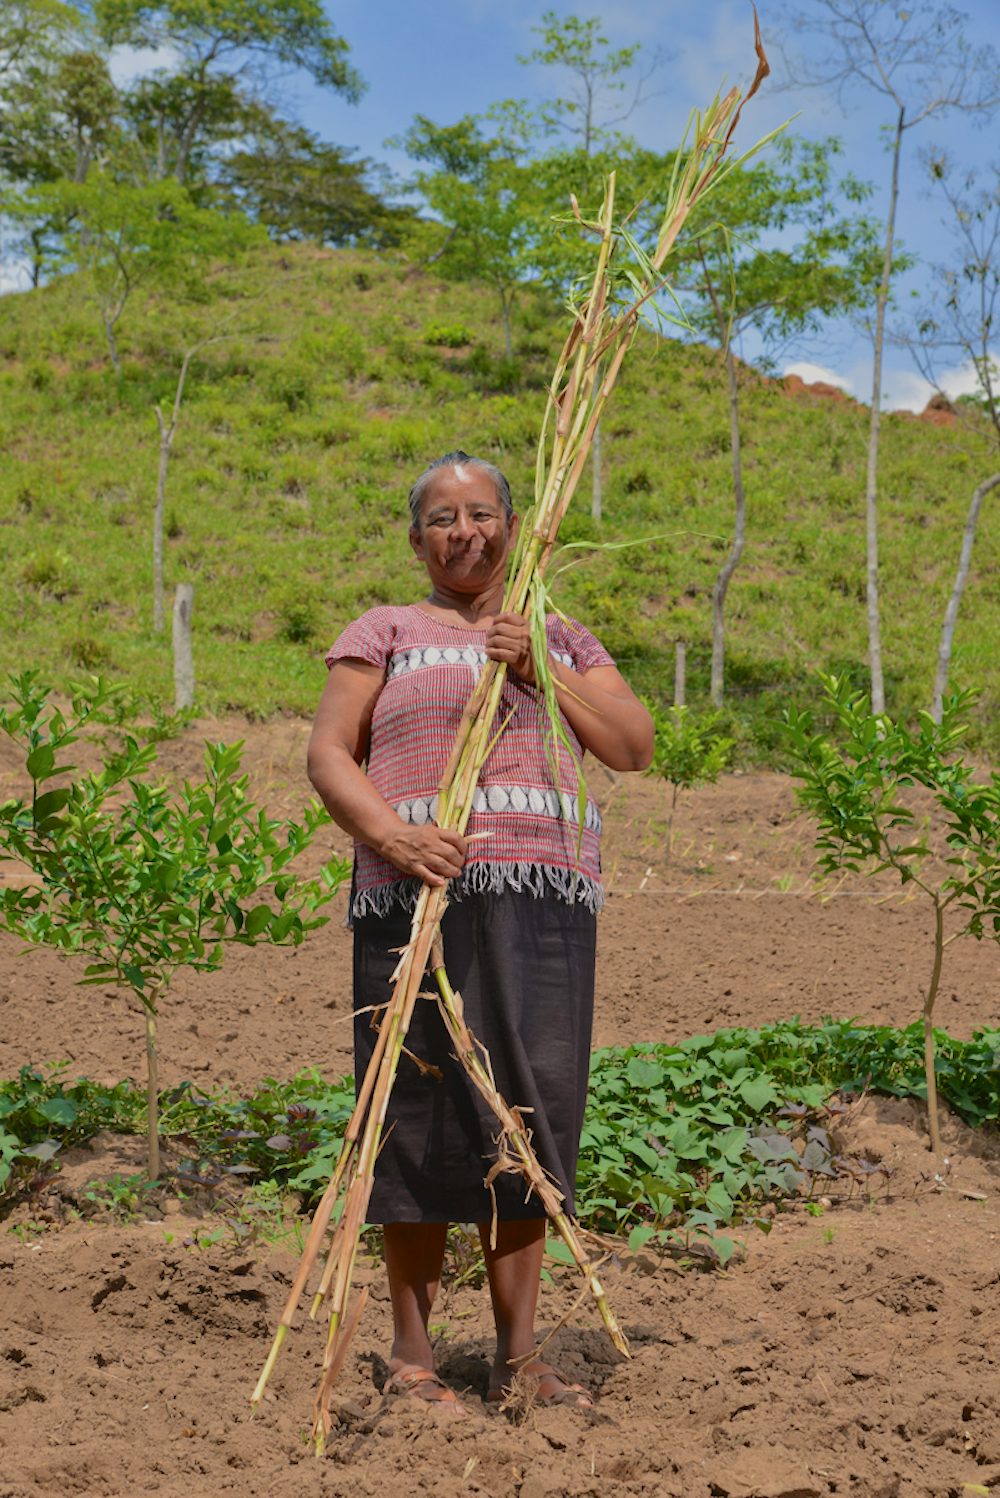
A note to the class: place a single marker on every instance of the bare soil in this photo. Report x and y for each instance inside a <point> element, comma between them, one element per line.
<point>854,1354</point>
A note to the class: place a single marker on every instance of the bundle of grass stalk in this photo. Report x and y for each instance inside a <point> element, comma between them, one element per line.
<point>606,316</point>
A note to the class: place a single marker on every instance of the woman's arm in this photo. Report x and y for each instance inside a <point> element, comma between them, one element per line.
<point>337,745</point>
<point>603,711</point>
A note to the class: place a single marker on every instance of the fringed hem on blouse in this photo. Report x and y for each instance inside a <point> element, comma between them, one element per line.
<point>481,878</point>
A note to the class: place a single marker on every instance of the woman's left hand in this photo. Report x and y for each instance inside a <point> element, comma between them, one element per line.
<point>508,639</point>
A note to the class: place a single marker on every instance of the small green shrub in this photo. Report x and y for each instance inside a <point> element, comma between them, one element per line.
<point>447,335</point>
<point>506,374</point>
<point>39,374</point>
<point>337,428</point>
<point>344,353</point>
<point>480,363</point>
<point>689,750</point>
<point>299,619</point>
<point>638,481</point>
<point>48,572</point>
<point>291,385</point>
<point>88,652</point>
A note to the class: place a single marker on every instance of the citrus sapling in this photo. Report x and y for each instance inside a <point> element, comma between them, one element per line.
<point>860,790</point>
<point>137,879</point>
<point>689,751</point>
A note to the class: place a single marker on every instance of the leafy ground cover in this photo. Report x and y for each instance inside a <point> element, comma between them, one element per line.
<point>680,1141</point>
<point>334,384</point>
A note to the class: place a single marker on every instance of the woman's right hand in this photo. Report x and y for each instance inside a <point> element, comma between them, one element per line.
<point>433,854</point>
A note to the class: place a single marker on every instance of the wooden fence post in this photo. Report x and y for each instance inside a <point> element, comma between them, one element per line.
<point>183,654</point>
<point>680,672</point>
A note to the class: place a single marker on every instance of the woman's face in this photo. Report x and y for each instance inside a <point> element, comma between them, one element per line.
<point>464,535</point>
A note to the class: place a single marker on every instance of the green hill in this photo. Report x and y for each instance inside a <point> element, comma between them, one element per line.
<point>340,376</point>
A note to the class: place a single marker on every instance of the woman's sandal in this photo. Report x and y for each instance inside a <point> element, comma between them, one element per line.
<point>414,1382</point>
<point>550,1388</point>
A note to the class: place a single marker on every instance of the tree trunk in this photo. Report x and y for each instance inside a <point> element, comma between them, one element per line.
<point>37,257</point>
<point>933,1123</point>
<point>166,440</point>
<point>183,651</point>
<point>871,484</point>
<point>595,474</point>
<point>954,602</point>
<point>152,1097</point>
<point>166,437</point>
<point>109,331</point>
<point>722,582</point>
<point>506,298</point>
<point>680,672</point>
<point>674,790</point>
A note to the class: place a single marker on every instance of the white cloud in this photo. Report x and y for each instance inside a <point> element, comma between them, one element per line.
<point>902,389</point>
<point>819,374</point>
<point>14,276</point>
<point>15,272</point>
<point>962,379</point>
<point>129,63</point>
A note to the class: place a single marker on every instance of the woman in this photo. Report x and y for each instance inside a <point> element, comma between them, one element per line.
<point>520,927</point>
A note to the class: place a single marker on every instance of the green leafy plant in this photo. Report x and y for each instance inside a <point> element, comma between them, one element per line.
<point>137,879</point>
<point>300,619</point>
<point>120,1197</point>
<point>681,1142</point>
<point>690,750</point>
<point>859,789</point>
<point>448,335</point>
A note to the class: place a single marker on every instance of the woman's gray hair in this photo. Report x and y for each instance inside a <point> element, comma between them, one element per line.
<point>458,459</point>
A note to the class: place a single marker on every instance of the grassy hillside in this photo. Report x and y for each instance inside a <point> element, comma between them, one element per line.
<point>300,433</point>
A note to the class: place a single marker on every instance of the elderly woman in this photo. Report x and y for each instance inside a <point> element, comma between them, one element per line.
<point>524,889</point>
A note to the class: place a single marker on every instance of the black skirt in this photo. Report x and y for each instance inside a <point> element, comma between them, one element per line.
<point>524,966</point>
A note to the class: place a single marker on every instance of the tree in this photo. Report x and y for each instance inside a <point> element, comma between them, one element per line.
<point>225,55</point>
<point>478,185</point>
<point>918,60</point>
<point>601,79</point>
<point>121,236</point>
<point>137,880</point>
<point>168,430</point>
<point>737,274</point>
<point>688,751</point>
<point>858,790</point>
<point>58,113</point>
<point>962,324</point>
<point>28,26</point>
<point>298,187</point>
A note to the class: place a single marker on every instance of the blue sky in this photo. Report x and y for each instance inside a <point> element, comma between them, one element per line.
<point>457,56</point>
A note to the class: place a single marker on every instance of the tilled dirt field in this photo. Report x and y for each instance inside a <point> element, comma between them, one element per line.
<point>857,1353</point>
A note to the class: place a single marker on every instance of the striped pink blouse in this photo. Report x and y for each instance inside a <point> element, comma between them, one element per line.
<point>533,839</point>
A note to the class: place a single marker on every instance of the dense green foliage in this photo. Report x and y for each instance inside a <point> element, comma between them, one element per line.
<point>679,1140</point>
<point>139,879</point>
<point>299,437</point>
<point>857,791</point>
<point>689,750</point>
<point>133,875</point>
